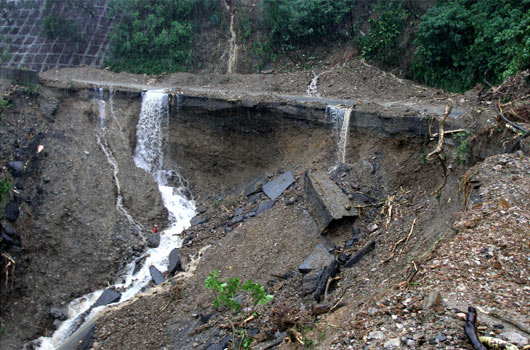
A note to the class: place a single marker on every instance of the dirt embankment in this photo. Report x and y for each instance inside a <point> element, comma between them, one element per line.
<point>387,177</point>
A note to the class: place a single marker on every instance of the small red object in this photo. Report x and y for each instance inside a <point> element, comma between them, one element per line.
<point>155,229</point>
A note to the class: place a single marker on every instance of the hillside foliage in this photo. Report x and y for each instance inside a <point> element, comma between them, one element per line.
<point>156,36</point>
<point>462,42</point>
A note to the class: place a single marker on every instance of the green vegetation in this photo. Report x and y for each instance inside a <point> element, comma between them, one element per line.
<point>381,43</point>
<point>462,150</point>
<point>295,23</point>
<point>225,294</point>
<point>462,42</point>
<point>4,50</point>
<point>4,104</point>
<point>5,188</point>
<point>226,291</point>
<point>156,37</point>
<point>54,27</point>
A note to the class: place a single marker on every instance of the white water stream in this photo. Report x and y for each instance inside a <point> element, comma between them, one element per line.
<point>341,117</point>
<point>151,133</point>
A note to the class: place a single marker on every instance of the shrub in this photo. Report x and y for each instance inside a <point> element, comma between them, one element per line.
<point>462,42</point>
<point>381,43</point>
<point>54,27</point>
<point>294,23</point>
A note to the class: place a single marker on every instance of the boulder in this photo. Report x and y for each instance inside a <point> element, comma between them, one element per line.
<point>12,211</point>
<point>175,264</point>
<point>156,275</point>
<point>310,281</point>
<point>15,168</point>
<point>318,259</point>
<point>326,201</point>
<point>59,313</point>
<point>264,206</point>
<point>153,240</point>
<point>254,185</point>
<point>109,296</point>
<point>276,187</point>
<point>199,219</point>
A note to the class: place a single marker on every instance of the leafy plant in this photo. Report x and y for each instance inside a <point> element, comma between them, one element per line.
<point>4,104</point>
<point>381,43</point>
<point>225,292</point>
<point>4,50</point>
<point>5,187</point>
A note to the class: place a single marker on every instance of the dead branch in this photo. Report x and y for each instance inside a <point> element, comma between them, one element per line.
<point>389,205</point>
<point>455,131</point>
<point>471,329</point>
<point>440,146</point>
<point>515,125</point>
<point>368,247</point>
<point>408,237</point>
<point>393,251</point>
<point>330,280</point>
<point>10,263</point>
<point>496,343</point>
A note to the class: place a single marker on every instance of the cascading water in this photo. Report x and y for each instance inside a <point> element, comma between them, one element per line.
<point>341,118</point>
<point>151,129</point>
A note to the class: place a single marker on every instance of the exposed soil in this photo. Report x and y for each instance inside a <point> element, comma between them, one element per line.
<point>472,257</point>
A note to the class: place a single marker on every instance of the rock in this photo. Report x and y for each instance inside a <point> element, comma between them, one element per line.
<point>88,340</point>
<point>153,240</point>
<point>319,258</point>
<point>310,281</point>
<point>156,275</point>
<point>264,206</point>
<point>276,187</point>
<point>255,185</point>
<point>237,219</point>
<point>59,313</point>
<point>201,209</point>
<point>9,230</point>
<point>359,197</point>
<point>372,227</point>
<point>327,202</point>
<point>434,301</point>
<point>291,201</point>
<point>342,258</point>
<point>250,214</point>
<point>515,338</point>
<point>175,264</point>
<point>410,342</point>
<point>109,296</point>
<point>392,343</point>
<point>238,212</point>
<point>15,168</point>
<point>254,198</point>
<point>228,229</point>
<point>12,211</point>
<point>377,335</point>
<point>199,219</point>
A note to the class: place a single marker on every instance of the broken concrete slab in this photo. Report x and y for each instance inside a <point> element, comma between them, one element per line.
<point>156,275</point>
<point>109,296</point>
<point>254,185</point>
<point>276,187</point>
<point>326,201</point>
<point>318,259</point>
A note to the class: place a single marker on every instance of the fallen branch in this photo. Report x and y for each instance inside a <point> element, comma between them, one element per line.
<point>515,125</point>
<point>368,247</point>
<point>408,237</point>
<point>445,175</point>
<point>328,272</point>
<point>471,329</point>
<point>330,280</point>
<point>455,131</point>
<point>496,343</point>
<point>389,205</point>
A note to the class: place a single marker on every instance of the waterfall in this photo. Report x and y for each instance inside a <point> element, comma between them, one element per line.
<point>340,116</point>
<point>151,131</point>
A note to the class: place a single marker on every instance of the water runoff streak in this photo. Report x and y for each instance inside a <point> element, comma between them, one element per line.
<point>341,117</point>
<point>151,129</point>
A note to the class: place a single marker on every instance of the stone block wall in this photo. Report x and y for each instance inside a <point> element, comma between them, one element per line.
<point>30,50</point>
